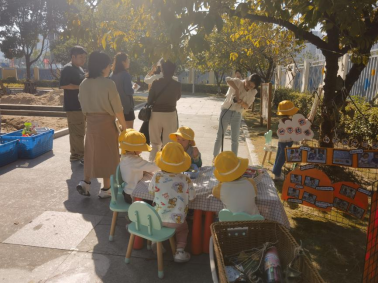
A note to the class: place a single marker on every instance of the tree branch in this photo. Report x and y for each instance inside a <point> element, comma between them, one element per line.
<point>43,44</point>
<point>300,33</point>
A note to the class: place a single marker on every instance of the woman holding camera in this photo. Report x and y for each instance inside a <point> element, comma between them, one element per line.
<point>240,95</point>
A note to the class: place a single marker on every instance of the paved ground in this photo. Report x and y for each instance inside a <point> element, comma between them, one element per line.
<point>50,233</point>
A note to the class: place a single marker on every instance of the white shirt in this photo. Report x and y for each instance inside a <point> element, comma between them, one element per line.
<point>172,194</point>
<point>246,96</point>
<point>132,168</point>
<point>238,195</point>
<point>150,79</point>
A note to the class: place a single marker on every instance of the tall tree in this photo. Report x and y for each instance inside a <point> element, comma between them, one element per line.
<point>258,47</point>
<point>23,22</point>
<point>350,26</point>
<point>205,61</point>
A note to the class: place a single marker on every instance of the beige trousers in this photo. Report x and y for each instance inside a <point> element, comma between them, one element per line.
<point>160,126</point>
<point>76,128</point>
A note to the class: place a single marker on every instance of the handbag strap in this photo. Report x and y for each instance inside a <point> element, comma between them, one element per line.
<point>165,87</point>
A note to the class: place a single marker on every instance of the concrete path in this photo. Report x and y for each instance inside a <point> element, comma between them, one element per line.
<point>50,233</point>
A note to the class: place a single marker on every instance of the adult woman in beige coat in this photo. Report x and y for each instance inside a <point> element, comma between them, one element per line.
<point>100,104</point>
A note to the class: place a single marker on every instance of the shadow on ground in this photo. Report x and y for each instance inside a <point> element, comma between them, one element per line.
<point>337,251</point>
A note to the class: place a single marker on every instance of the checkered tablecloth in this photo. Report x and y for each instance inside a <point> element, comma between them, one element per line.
<point>267,200</point>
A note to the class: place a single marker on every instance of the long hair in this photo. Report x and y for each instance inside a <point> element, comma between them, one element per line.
<point>117,62</point>
<point>97,62</point>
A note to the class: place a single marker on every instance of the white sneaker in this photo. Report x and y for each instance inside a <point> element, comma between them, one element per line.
<point>154,247</point>
<point>104,193</point>
<point>83,188</point>
<point>181,255</point>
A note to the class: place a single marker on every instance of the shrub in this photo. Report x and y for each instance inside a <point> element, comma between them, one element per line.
<point>303,101</point>
<point>355,125</point>
<point>47,83</point>
<point>352,124</point>
<point>12,80</point>
<point>203,88</point>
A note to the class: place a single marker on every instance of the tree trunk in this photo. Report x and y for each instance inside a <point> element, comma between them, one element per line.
<point>218,79</point>
<point>27,62</point>
<point>329,109</point>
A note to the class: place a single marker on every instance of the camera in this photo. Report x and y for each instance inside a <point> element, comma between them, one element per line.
<point>234,100</point>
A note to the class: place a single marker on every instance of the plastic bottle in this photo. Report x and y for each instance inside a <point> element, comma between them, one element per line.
<point>272,266</point>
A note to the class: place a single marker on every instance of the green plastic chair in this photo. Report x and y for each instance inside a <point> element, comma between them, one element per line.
<point>268,148</point>
<point>146,223</point>
<point>226,215</point>
<point>117,201</point>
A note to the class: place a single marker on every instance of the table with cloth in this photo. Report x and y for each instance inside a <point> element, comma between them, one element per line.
<point>267,201</point>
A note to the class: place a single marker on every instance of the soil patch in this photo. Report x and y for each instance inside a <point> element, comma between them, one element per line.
<point>53,98</point>
<point>10,123</point>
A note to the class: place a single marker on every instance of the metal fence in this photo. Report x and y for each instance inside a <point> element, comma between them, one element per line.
<point>21,73</point>
<point>315,76</point>
<point>298,78</point>
<point>367,84</point>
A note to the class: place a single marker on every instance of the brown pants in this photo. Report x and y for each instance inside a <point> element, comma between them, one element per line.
<point>161,125</point>
<point>76,128</point>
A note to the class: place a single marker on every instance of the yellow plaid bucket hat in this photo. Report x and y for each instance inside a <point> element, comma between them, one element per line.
<point>184,132</point>
<point>132,140</point>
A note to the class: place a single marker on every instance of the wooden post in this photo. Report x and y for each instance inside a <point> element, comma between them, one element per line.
<point>261,108</point>
<point>112,228</point>
<point>370,274</point>
<point>306,73</point>
<point>266,104</point>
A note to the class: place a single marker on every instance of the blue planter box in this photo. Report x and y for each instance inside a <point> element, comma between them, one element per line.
<point>32,146</point>
<point>8,152</point>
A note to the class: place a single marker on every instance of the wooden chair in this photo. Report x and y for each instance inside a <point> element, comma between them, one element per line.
<point>117,201</point>
<point>146,223</point>
<point>268,147</point>
<point>226,215</point>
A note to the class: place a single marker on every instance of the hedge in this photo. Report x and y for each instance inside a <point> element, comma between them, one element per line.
<point>40,83</point>
<point>203,88</point>
<point>303,101</point>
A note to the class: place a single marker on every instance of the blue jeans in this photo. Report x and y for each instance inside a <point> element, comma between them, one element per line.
<point>233,118</point>
<point>280,158</point>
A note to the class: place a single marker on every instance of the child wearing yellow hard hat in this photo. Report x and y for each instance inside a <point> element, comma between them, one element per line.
<point>185,136</point>
<point>132,165</point>
<point>286,109</point>
<point>172,192</point>
<point>235,191</point>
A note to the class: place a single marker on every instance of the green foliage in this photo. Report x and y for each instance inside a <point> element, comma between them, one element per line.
<point>303,101</point>
<point>47,83</point>
<point>40,83</point>
<point>10,80</point>
<point>360,126</point>
<point>353,125</point>
<point>23,22</point>
<point>61,48</point>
